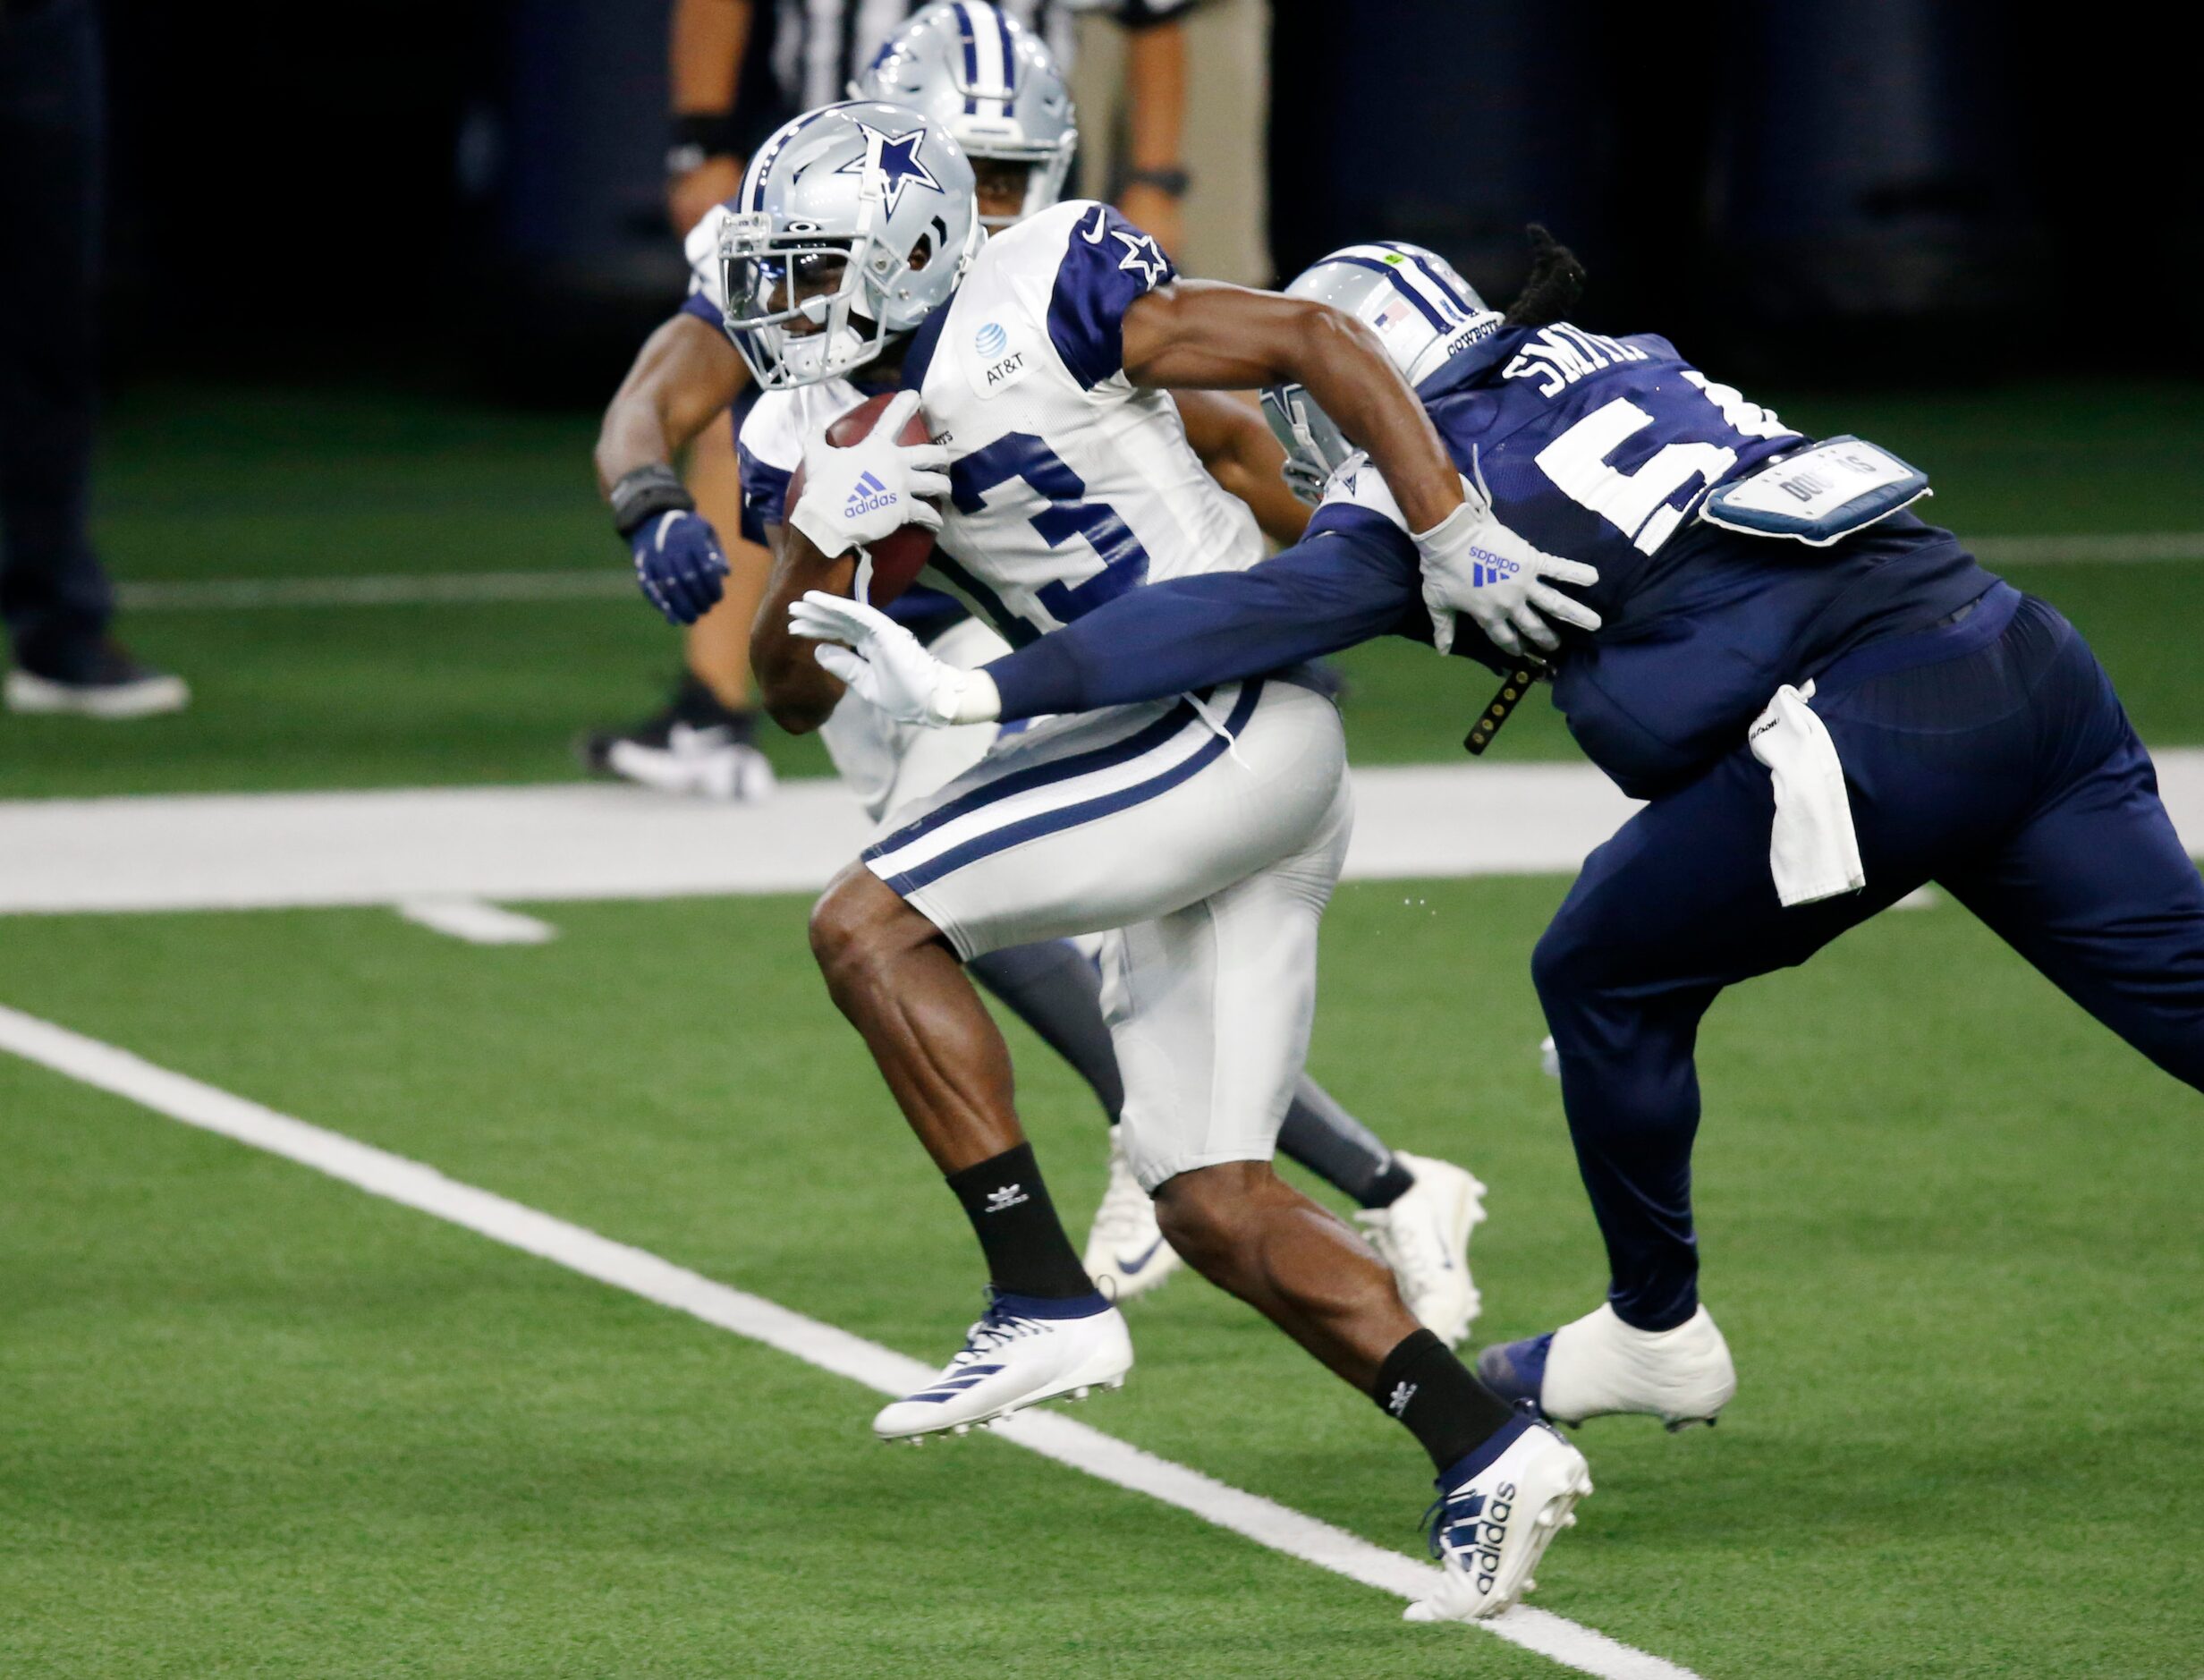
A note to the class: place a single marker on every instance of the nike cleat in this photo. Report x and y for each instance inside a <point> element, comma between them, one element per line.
<point>1024,1350</point>
<point>1489,1527</point>
<point>1424,1237</point>
<point>1599,1366</point>
<point>1126,1253</point>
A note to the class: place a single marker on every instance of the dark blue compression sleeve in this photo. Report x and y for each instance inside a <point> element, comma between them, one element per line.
<point>1353,576</point>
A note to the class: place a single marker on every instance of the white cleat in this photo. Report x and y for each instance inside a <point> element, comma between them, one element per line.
<point>1023,1351</point>
<point>1424,1238</point>
<point>1598,1366</point>
<point>1489,1531</point>
<point>1126,1254</point>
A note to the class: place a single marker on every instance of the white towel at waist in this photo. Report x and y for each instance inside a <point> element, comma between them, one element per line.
<point>1813,851</point>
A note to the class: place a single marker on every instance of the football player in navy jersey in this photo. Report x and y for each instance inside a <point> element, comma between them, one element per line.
<point>1827,701</point>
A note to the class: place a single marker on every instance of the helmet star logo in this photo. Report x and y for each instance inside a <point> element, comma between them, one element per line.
<point>896,157</point>
<point>1142,255</point>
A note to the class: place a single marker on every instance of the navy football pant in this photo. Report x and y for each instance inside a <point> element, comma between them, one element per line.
<point>54,597</point>
<point>1990,756</point>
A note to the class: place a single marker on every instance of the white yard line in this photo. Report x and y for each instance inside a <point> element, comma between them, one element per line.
<point>412,1184</point>
<point>477,920</point>
<point>203,595</point>
<point>570,841</point>
<point>611,583</point>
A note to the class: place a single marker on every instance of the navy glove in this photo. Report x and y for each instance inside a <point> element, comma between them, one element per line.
<point>679,565</point>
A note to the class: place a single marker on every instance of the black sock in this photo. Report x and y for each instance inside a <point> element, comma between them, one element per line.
<point>1028,1252</point>
<point>1439,1398</point>
<point>1322,1136</point>
<point>1056,991</point>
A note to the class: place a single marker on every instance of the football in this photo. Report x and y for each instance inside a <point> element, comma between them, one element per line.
<point>896,559</point>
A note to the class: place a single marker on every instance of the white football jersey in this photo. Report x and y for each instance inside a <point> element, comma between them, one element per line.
<point>1069,487</point>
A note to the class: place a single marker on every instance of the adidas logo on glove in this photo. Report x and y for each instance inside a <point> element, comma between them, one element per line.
<point>1489,567</point>
<point>870,495</point>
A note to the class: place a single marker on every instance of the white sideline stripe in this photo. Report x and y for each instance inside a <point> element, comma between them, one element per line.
<point>199,595</point>
<point>413,1184</point>
<point>569,841</point>
<point>2089,548</point>
<point>477,920</point>
<point>426,590</point>
<point>602,841</point>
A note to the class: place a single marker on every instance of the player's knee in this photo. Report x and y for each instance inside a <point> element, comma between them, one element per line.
<point>1563,965</point>
<point>857,927</point>
<point>1204,1213</point>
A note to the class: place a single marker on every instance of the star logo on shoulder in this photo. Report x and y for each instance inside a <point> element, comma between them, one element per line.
<point>1143,256</point>
<point>896,157</point>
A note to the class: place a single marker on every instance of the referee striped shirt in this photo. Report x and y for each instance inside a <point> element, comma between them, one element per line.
<point>818,46</point>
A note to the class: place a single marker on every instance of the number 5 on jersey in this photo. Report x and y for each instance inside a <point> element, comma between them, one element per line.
<point>1638,502</point>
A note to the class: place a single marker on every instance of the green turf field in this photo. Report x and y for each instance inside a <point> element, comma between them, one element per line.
<point>248,484</point>
<point>255,1423</point>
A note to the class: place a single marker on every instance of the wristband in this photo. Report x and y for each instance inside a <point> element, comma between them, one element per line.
<point>644,494</point>
<point>965,697</point>
<point>694,137</point>
<point>1172,181</point>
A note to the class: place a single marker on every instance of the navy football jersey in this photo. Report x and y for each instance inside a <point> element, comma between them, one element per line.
<point>1601,449</point>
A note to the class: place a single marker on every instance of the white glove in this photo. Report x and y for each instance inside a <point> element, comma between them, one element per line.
<point>1475,565</point>
<point>872,488</point>
<point>887,665</point>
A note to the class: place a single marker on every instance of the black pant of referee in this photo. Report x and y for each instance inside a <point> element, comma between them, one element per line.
<point>54,598</point>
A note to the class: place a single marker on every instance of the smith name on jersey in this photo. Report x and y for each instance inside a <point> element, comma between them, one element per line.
<point>1602,449</point>
<point>1069,486</point>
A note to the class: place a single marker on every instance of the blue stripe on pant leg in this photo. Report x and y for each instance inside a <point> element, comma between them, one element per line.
<point>1049,822</point>
<point>1144,740</point>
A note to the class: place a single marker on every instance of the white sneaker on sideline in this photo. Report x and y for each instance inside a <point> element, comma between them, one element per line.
<point>1126,1254</point>
<point>700,763</point>
<point>1022,1350</point>
<point>1424,1238</point>
<point>118,689</point>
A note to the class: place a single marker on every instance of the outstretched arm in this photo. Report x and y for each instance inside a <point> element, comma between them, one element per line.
<point>1202,334</point>
<point>1353,578</point>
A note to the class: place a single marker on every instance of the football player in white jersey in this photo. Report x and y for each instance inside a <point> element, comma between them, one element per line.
<point>1207,829</point>
<point>995,86</point>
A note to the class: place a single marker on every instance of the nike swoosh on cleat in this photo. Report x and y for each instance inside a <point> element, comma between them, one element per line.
<point>1132,1269</point>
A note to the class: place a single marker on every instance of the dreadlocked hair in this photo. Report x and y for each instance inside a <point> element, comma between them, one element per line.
<point>1556,282</point>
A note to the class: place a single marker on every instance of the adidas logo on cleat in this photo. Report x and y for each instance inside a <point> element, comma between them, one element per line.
<point>868,495</point>
<point>1478,1533</point>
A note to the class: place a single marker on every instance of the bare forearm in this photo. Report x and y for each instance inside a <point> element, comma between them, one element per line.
<point>1199,334</point>
<point>797,692</point>
<point>1380,414</point>
<point>1156,86</point>
<point>709,38</point>
<point>684,377</point>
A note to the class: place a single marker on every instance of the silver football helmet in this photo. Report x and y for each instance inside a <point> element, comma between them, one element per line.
<point>1423,313</point>
<point>990,81</point>
<point>854,222</point>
